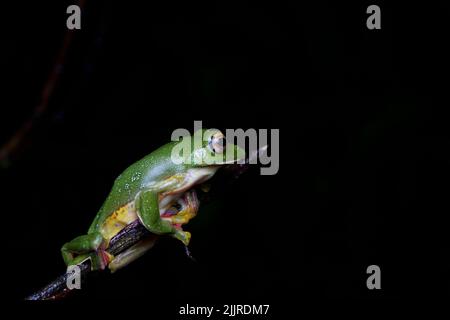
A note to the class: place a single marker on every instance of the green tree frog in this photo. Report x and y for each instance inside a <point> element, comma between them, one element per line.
<point>159,192</point>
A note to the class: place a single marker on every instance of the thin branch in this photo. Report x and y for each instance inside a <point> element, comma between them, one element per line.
<point>126,238</point>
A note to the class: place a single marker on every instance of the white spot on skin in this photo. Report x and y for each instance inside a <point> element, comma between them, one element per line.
<point>136,176</point>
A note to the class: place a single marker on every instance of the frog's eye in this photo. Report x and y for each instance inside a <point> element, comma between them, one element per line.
<point>216,143</point>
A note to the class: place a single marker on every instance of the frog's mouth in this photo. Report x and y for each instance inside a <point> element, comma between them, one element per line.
<point>251,158</point>
<point>238,167</point>
<point>232,154</point>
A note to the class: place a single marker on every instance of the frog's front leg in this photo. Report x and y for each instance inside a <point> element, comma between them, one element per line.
<point>147,206</point>
<point>89,246</point>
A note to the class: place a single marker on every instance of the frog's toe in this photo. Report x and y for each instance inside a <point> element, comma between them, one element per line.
<point>106,257</point>
<point>183,236</point>
<point>100,259</point>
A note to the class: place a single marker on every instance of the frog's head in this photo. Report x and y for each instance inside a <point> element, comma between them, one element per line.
<point>212,149</point>
<point>209,148</point>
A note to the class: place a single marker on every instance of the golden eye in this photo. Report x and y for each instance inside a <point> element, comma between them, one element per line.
<point>217,142</point>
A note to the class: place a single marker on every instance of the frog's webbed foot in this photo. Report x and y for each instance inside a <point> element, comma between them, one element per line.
<point>100,258</point>
<point>189,205</point>
<point>183,236</point>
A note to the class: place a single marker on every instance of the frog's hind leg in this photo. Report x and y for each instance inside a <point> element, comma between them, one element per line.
<point>131,254</point>
<point>89,246</point>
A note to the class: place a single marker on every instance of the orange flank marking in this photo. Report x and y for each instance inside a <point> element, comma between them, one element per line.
<point>118,220</point>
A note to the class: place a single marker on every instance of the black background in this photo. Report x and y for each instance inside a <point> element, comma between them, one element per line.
<point>364,161</point>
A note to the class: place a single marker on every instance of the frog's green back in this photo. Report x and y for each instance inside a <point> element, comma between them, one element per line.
<point>153,167</point>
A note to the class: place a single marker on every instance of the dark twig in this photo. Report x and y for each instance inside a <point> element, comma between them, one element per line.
<point>13,145</point>
<point>126,238</point>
